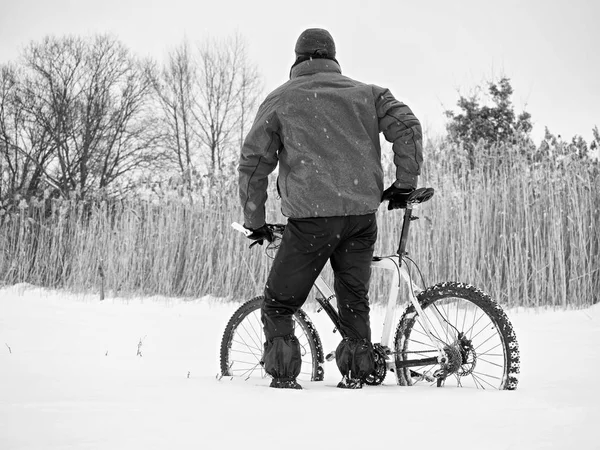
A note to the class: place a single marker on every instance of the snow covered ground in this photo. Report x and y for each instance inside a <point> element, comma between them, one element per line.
<point>71,378</point>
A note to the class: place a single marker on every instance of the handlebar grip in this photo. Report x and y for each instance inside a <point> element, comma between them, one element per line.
<point>241,228</point>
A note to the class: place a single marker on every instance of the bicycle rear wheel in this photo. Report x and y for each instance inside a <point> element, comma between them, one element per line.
<point>477,336</point>
<point>242,344</point>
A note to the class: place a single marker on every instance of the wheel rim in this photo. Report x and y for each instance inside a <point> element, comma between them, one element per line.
<point>485,366</point>
<point>246,348</point>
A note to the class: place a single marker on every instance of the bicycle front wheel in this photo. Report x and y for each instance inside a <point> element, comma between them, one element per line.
<point>242,344</point>
<point>479,343</point>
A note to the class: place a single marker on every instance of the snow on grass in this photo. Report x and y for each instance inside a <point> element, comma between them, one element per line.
<point>76,373</point>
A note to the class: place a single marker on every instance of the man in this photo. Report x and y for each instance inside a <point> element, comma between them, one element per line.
<point>322,128</point>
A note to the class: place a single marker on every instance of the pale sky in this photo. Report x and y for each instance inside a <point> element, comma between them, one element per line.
<point>425,52</point>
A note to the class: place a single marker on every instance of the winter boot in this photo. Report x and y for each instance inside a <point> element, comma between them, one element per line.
<point>282,360</point>
<point>281,383</point>
<point>356,361</point>
<point>350,383</point>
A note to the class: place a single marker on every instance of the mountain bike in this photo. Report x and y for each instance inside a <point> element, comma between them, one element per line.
<point>448,334</point>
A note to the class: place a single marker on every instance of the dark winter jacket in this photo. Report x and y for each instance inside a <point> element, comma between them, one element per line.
<point>323,130</point>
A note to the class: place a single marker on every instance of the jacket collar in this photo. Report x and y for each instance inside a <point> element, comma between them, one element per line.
<point>312,66</point>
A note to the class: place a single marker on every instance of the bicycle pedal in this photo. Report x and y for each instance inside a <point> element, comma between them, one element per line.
<point>330,357</point>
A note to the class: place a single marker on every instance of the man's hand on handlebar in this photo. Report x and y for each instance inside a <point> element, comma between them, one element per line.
<point>397,197</point>
<point>259,235</point>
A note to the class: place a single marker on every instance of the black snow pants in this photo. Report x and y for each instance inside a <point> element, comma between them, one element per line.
<point>307,244</point>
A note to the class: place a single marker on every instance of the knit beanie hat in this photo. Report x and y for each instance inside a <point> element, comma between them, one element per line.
<point>315,42</point>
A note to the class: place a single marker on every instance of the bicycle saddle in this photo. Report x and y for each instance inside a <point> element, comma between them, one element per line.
<point>420,195</point>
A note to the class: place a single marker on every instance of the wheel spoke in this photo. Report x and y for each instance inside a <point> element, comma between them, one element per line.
<point>239,361</point>
<point>244,372</point>
<point>445,329</point>
<point>434,332</point>
<point>487,375</point>
<point>470,330</point>
<point>477,382</point>
<point>426,344</point>
<point>483,329</point>
<point>464,320</point>
<point>254,334</point>
<point>478,376</point>
<point>242,342</point>
<point>247,353</point>
<point>490,362</point>
<point>495,355</point>
<point>488,350</point>
<point>247,337</point>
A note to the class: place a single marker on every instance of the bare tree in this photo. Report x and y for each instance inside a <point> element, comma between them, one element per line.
<point>26,149</point>
<point>250,91</point>
<point>228,89</point>
<point>174,86</point>
<point>207,95</point>
<point>90,97</point>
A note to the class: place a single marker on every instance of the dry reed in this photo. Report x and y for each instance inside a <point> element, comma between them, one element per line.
<point>529,234</point>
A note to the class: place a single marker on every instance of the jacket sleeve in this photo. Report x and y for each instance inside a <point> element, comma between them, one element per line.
<point>258,159</point>
<point>400,127</point>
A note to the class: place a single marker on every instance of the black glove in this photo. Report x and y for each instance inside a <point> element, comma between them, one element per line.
<point>397,197</point>
<point>259,235</point>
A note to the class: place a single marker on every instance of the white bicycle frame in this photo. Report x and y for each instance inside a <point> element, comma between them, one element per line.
<point>398,272</point>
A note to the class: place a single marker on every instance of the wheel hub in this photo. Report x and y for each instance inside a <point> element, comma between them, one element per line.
<point>459,358</point>
<point>467,354</point>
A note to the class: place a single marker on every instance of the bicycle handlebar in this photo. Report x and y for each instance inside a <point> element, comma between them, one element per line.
<point>420,195</point>
<point>241,228</point>
<point>276,228</point>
